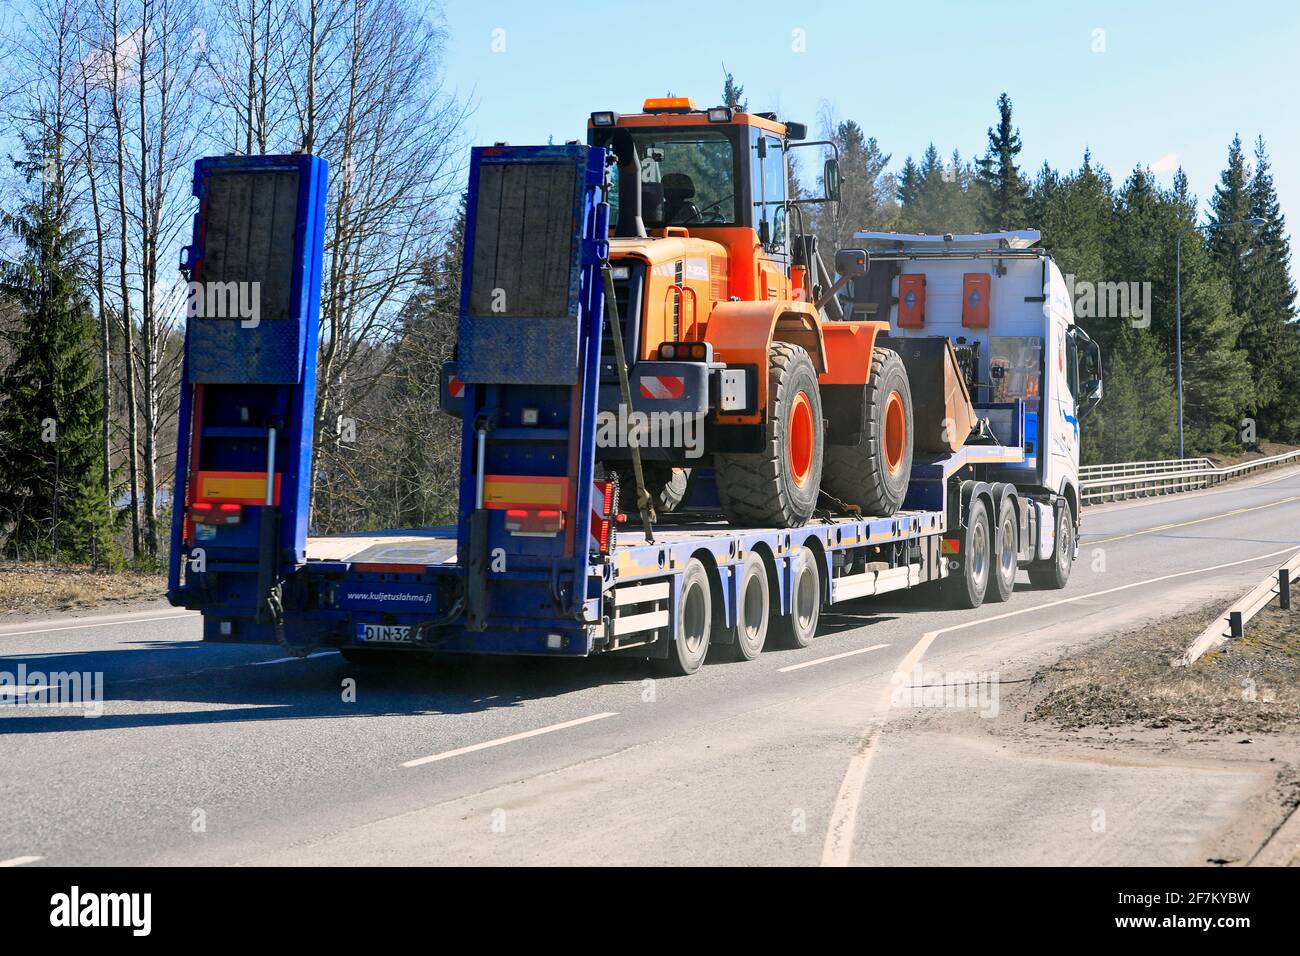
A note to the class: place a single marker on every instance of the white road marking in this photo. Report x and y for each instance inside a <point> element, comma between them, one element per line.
<point>21,860</point>
<point>77,627</point>
<point>838,848</point>
<point>286,660</point>
<point>833,657</point>
<point>421,761</point>
<point>1184,524</point>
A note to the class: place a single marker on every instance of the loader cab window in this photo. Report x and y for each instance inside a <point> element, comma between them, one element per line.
<point>768,187</point>
<point>688,176</point>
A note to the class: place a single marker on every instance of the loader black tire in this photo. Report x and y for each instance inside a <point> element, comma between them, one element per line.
<point>778,487</point>
<point>666,485</point>
<point>874,473</point>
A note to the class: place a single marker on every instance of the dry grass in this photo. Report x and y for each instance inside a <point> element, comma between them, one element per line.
<point>27,587</point>
<point>1251,685</point>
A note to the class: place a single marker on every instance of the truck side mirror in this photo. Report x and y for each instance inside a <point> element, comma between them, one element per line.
<point>1091,396</point>
<point>851,263</point>
<point>831,179</point>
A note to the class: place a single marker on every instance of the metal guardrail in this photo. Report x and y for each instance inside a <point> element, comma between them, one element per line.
<point>1141,479</point>
<point>1233,621</point>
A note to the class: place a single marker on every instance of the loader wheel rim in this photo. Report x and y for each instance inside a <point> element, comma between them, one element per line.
<point>802,438</point>
<point>895,432</point>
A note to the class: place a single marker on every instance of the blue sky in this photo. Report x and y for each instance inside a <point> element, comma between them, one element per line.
<point>1171,83</point>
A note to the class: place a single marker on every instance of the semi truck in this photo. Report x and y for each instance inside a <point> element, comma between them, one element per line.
<point>958,382</point>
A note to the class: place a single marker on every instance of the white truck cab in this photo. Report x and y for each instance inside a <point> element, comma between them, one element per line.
<point>1006,308</point>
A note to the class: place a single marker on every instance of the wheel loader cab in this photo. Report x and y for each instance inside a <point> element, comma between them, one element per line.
<point>700,168</point>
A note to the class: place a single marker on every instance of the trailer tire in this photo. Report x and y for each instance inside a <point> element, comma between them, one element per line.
<point>1054,573</point>
<point>753,609</point>
<point>874,473</point>
<point>1004,557</point>
<point>799,627</point>
<point>966,589</point>
<point>692,621</point>
<point>779,486</point>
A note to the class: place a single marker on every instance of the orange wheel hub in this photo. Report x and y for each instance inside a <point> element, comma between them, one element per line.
<point>895,432</point>
<point>801,440</point>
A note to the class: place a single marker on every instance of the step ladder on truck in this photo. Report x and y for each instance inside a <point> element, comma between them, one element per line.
<point>557,550</point>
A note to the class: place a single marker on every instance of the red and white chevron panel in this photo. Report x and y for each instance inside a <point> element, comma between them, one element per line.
<point>662,386</point>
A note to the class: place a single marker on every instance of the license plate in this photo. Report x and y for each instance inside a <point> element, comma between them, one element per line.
<point>384,633</point>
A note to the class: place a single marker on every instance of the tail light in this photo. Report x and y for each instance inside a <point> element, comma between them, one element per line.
<point>523,521</point>
<point>213,512</point>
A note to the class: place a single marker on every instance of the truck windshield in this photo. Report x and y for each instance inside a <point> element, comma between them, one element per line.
<point>688,176</point>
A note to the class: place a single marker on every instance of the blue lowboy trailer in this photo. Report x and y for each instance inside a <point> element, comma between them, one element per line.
<point>543,560</point>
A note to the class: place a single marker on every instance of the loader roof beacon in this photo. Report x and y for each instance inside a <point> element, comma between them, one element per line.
<point>782,436</point>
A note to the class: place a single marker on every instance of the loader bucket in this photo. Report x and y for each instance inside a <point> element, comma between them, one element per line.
<point>942,414</point>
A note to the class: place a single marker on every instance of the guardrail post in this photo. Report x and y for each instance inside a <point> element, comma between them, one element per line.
<point>1284,588</point>
<point>1235,626</point>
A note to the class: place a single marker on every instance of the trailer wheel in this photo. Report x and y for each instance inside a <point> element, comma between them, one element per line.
<point>692,623</point>
<point>967,588</point>
<point>779,485</point>
<point>1054,573</point>
<point>799,627</point>
<point>874,473</point>
<point>753,609</point>
<point>1004,557</point>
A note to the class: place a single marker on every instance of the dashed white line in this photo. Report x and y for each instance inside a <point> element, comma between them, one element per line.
<point>838,847</point>
<point>286,660</point>
<point>833,657</point>
<point>421,761</point>
<point>21,860</point>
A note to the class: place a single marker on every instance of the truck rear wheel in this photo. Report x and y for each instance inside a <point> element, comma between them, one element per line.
<point>799,627</point>
<point>779,485</point>
<point>966,587</point>
<point>692,622</point>
<point>753,609</point>
<point>1054,573</point>
<point>874,473</point>
<point>1005,554</point>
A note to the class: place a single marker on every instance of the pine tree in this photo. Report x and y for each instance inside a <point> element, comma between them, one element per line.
<point>909,185</point>
<point>1230,242</point>
<point>1256,262</point>
<point>1006,191</point>
<point>733,94</point>
<point>1217,387</point>
<point>867,200</point>
<point>52,502</point>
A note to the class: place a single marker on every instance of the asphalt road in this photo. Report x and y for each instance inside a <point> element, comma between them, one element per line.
<point>228,755</point>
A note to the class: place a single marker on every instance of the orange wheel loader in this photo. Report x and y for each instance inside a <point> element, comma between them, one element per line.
<point>737,350</point>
